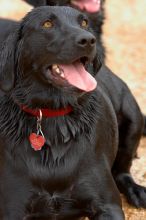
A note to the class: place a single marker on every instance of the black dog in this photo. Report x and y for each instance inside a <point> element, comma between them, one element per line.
<point>130,119</point>
<point>48,91</point>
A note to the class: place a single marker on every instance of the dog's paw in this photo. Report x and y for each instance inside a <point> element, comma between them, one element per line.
<point>135,194</point>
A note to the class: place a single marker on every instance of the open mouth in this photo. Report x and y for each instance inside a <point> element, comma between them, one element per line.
<point>74,74</point>
<point>91,6</point>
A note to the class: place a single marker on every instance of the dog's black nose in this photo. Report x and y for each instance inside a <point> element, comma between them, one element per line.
<point>87,40</point>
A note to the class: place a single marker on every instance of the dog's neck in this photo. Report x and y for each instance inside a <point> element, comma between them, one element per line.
<point>21,124</point>
<point>60,133</point>
<point>48,113</point>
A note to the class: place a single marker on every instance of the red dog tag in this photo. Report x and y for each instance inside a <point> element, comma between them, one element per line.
<point>37,141</point>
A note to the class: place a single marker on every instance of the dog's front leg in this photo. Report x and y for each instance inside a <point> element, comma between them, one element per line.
<point>108,205</point>
<point>111,212</point>
<point>101,196</point>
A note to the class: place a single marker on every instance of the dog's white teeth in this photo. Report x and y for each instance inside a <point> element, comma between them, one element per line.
<point>58,71</point>
<point>62,75</point>
<point>54,66</point>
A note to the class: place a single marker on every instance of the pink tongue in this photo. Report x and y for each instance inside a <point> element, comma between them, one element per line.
<point>90,6</point>
<point>77,76</point>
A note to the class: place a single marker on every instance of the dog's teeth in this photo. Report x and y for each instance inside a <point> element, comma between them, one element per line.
<point>57,70</point>
<point>62,75</point>
<point>54,67</point>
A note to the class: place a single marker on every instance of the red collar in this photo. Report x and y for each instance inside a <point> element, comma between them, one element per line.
<point>48,112</point>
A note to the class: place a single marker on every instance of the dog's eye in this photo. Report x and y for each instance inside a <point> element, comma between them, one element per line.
<point>48,24</point>
<point>84,23</point>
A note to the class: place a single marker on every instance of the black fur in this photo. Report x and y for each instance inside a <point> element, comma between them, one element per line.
<point>70,177</point>
<point>6,27</point>
<point>144,132</point>
<point>130,119</point>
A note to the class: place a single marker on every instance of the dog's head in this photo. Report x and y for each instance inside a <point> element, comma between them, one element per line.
<point>49,54</point>
<point>94,9</point>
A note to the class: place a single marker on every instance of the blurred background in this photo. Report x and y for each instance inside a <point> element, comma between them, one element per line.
<point>125,40</point>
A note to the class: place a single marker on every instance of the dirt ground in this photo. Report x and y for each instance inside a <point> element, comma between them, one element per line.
<point>125,40</point>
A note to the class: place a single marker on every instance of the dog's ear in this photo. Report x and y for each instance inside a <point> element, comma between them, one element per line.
<point>37,3</point>
<point>97,63</point>
<point>7,63</point>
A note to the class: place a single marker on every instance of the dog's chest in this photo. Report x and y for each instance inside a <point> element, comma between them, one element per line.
<point>55,175</point>
<point>56,167</point>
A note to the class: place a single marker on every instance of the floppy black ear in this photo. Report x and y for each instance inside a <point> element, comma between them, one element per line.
<point>97,63</point>
<point>37,3</point>
<point>7,63</point>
